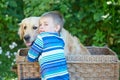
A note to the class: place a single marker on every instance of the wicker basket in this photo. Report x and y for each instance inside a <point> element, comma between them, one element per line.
<point>102,64</point>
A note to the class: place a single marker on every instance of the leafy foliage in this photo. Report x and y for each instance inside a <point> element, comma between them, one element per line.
<point>10,15</point>
<point>94,22</point>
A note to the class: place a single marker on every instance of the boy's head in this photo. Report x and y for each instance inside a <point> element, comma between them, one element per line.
<point>51,22</point>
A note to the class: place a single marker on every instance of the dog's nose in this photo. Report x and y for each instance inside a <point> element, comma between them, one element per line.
<point>27,37</point>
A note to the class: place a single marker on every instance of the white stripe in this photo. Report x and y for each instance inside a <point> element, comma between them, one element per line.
<point>52,62</point>
<point>31,56</point>
<point>39,37</point>
<point>55,75</point>
<point>52,47</point>
<point>50,35</point>
<point>51,53</point>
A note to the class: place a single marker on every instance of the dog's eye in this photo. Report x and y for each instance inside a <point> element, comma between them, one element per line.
<point>25,27</point>
<point>34,27</point>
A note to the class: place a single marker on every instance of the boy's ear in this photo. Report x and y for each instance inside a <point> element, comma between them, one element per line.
<point>57,28</point>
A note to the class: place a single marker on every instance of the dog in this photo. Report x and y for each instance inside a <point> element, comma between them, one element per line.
<point>28,31</point>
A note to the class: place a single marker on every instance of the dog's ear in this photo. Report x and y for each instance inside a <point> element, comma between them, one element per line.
<point>20,30</point>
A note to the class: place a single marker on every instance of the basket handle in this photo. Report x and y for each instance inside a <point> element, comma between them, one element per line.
<point>23,52</point>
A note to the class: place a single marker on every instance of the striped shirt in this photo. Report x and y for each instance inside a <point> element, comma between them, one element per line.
<point>48,49</point>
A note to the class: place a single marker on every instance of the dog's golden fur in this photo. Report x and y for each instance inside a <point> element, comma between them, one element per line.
<point>28,31</point>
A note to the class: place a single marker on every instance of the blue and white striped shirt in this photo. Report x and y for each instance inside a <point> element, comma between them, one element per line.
<point>48,49</point>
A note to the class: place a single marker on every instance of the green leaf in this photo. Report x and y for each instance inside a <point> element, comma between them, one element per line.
<point>97,16</point>
<point>12,3</point>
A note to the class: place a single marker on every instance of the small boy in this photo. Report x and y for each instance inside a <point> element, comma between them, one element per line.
<point>48,48</point>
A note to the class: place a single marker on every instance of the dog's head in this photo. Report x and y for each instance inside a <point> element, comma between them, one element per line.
<point>28,29</point>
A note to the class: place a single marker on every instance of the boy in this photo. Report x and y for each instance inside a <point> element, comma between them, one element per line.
<point>48,48</point>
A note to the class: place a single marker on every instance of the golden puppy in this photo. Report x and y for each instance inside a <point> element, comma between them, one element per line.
<point>29,30</point>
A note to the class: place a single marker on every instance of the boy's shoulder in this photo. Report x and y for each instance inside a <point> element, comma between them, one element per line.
<point>48,34</point>
<point>43,33</point>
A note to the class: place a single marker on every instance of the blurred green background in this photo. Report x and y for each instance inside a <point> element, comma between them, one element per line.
<point>94,22</point>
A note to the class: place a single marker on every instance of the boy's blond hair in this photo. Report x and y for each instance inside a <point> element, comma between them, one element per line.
<point>57,18</point>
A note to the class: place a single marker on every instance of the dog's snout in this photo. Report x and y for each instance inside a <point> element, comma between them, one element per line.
<point>27,37</point>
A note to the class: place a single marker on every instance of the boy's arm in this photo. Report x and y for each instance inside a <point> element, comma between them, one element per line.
<point>35,50</point>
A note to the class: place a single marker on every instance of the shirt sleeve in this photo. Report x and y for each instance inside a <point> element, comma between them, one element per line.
<point>35,50</point>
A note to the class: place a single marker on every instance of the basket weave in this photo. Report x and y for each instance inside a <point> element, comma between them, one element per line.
<point>102,64</point>
<point>25,69</point>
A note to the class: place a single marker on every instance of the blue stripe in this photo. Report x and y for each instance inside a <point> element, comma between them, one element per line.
<point>53,44</point>
<point>54,69</point>
<point>38,47</point>
<point>34,50</point>
<point>51,39</point>
<point>39,42</point>
<point>31,59</point>
<point>63,77</point>
<point>53,62</point>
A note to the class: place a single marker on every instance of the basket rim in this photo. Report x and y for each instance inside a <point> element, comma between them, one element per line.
<point>92,59</point>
